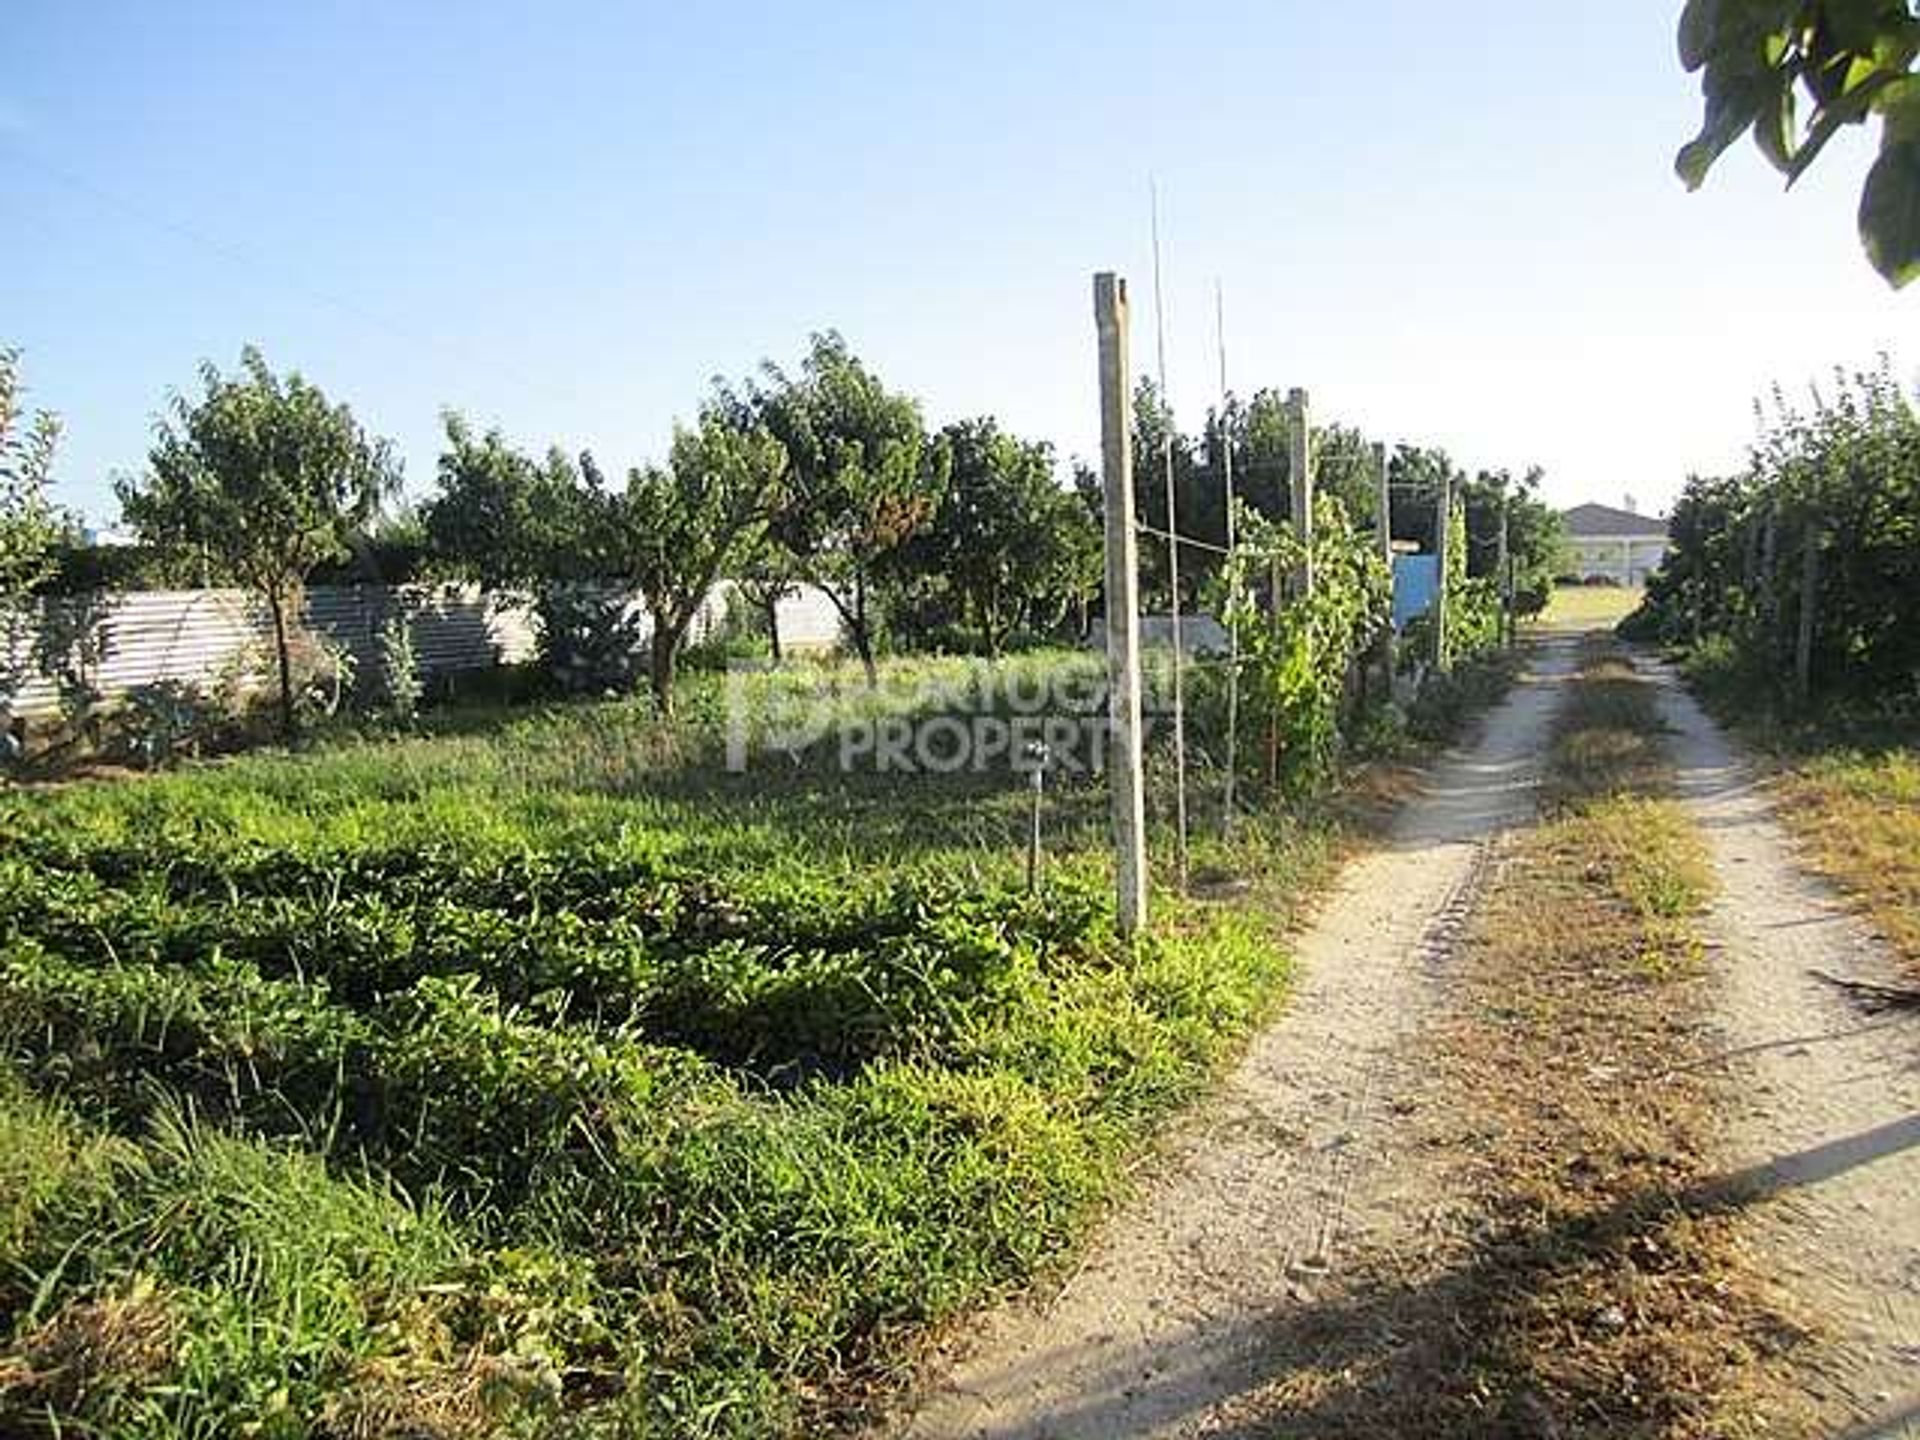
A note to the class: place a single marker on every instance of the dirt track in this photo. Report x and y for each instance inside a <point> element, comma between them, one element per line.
<point>1255,1199</point>
<point>1827,1109</point>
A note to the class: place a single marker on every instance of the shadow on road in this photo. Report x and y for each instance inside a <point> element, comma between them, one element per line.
<point>1396,1359</point>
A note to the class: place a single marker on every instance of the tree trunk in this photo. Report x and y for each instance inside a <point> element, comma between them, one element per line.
<point>863,647</point>
<point>995,631</point>
<point>862,632</point>
<point>772,607</point>
<point>277,605</point>
<point>853,622</point>
<point>665,660</point>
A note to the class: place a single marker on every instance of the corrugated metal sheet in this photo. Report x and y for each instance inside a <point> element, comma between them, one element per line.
<point>197,636</point>
<point>808,621</point>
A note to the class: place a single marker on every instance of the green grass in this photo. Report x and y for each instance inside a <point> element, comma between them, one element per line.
<point>540,1077</point>
<point>1588,607</point>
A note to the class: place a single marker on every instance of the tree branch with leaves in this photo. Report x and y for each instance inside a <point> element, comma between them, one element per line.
<point>1796,73</point>
<point>31,527</point>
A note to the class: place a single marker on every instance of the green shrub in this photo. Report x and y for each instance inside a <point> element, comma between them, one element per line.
<point>399,684</point>
<point>1841,479</point>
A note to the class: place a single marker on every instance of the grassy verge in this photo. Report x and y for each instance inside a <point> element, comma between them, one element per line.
<point>544,1077</point>
<point>1583,1277</point>
<point>1857,814</point>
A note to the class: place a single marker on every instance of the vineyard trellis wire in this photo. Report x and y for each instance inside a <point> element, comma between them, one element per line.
<point>1302,644</point>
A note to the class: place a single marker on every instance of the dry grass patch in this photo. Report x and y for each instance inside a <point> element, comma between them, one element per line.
<point>1858,819</point>
<point>89,1349</point>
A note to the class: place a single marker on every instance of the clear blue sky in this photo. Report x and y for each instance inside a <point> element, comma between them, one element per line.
<point>563,219</point>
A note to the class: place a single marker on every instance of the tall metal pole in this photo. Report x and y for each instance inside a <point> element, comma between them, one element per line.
<point>1173,569</point>
<point>1233,618</point>
<point>1126,782</point>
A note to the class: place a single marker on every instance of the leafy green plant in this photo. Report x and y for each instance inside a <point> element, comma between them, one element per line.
<point>30,526</point>
<point>400,683</point>
<point>488,1078</point>
<point>166,718</point>
<point>588,637</point>
<point>1301,653</point>
<point>70,644</point>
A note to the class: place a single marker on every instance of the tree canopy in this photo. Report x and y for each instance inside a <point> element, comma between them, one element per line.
<point>1819,537</point>
<point>549,530</point>
<point>1006,539</point>
<point>506,519</point>
<point>862,479</point>
<point>267,475</point>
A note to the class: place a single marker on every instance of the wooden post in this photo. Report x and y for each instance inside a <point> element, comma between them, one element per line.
<point>1809,614</point>
<point>1300,473</point>
<point>1442,543</point>
<point>1383,519</point>
<point>1038,754</point>
<point>1750,569</point>
<point>1769,584</point>
<point>1125,777</point>
<point>1503,577</point>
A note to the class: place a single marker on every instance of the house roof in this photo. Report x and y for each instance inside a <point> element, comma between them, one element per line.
<point>1604,520</point>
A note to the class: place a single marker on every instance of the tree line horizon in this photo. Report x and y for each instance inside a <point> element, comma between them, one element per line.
<point>963,538</point>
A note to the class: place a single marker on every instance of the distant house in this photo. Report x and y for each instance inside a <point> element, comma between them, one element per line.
<point>1608,544</point>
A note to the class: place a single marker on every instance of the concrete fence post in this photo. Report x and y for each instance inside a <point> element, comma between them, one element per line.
<point>1125,773</point>
<point>1300,474</point>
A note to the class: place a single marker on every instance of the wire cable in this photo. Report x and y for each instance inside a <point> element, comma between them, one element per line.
<point>1173,557</point>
